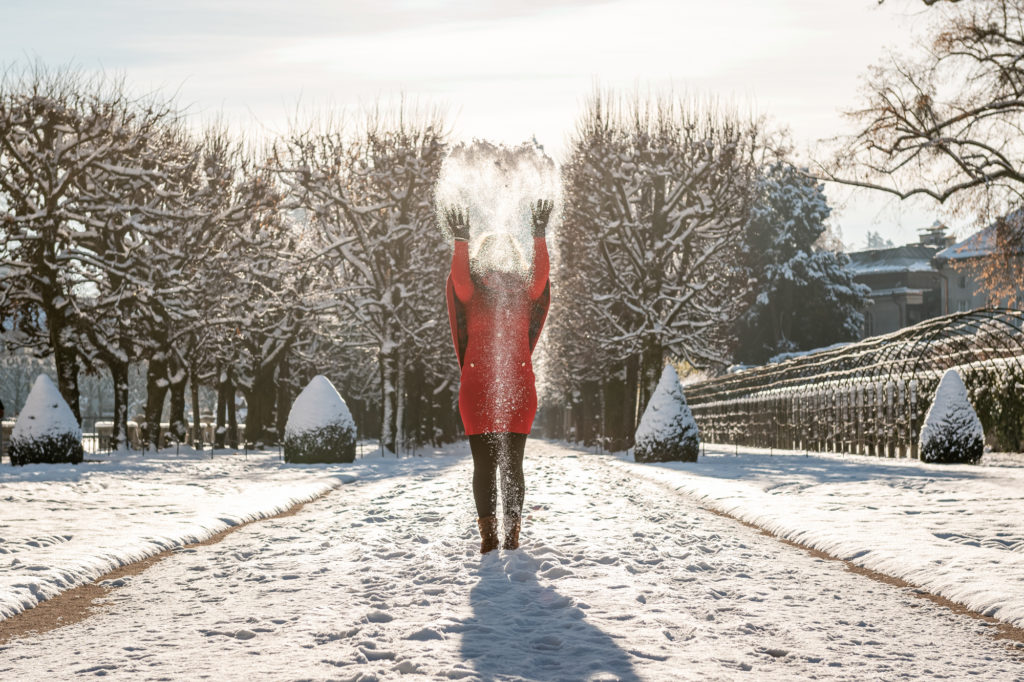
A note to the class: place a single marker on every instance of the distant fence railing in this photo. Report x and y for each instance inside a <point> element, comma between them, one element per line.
<point>97,435</point>
<point>870,397</point>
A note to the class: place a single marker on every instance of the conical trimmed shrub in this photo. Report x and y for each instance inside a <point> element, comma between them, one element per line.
<point>320,427</point>
<point>952,431</point>
<point>46,431</point>
<point>667,430</point>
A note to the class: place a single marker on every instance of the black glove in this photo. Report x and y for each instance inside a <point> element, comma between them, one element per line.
<point>458,223</point>
<point>541,212</point>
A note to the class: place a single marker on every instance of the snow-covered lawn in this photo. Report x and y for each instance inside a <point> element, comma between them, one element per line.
<point>618,578</point>
<point>953,530</point>
<point>63,525</point>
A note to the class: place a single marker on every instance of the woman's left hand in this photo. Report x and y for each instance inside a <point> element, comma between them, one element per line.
<point>541,213</point>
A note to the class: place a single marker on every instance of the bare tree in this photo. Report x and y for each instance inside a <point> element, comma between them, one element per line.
<point>224,270</point>
<point>368,197</point>
<point>65,141</point>
<point>272,295</point>
<point>656,197</point>
<point>946,123</point>
<point>127,204</point>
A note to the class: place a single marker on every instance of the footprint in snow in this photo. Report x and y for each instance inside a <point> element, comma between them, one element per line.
<point>379,617</point>
<point>425,634</point>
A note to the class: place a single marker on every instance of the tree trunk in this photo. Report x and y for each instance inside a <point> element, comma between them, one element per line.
<point>119,378</point>
<point>220,434</point>
<point>197,427</point>
<point>619,398</point>
<point>632,382</point>
<point>232,419</point>
<point>589,406</point>
<point>260,398</point>
<point>179,377</point>
<point>652,361</point>
<point>284,400</point>
<point>255,399</point>
<point>400,400</point>
<point>156,395</point>
<point>65,356</point>
<point>416,411</point>
<point>388,394</point>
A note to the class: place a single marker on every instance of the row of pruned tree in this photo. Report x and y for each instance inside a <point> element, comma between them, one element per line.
<point>368,200</point>
<point>127,237</point>
<point>686,237</point>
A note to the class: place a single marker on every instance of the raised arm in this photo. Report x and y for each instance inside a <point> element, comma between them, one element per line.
<point>541,212</point>
<point>541,267</point>
<point>458,223</point>
<point>461,280</point>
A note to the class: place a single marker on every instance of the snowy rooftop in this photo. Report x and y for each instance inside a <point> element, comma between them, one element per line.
<point>895,291</point>
<point>909,258</point>
<point>981,243</point>
<point>782,357</point>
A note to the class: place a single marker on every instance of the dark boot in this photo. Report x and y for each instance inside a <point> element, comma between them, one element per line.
<point>488,533</point>
<point>511,534</point>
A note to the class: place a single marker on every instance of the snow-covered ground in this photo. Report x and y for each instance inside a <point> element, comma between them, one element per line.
<point>63,525</point>
<point>954,530</point>
<point>619,577</point>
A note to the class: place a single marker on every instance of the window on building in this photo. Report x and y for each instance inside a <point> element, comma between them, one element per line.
<point>961,306</point>
<point>961,281</point>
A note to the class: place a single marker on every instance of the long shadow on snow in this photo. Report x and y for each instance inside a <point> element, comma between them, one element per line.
<point>521,629</point>
<point>377,468</point>
<point>798,468</point>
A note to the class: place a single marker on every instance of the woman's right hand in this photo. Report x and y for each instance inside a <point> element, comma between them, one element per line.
<point>458,223</point>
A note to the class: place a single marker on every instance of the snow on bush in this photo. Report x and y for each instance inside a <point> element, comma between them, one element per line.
<point>667,431</point>
<point>952,431</point>
<point>46,431</point>
<point>320,427</point>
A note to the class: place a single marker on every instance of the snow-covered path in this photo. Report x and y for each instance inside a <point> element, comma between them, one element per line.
<point>618,578</point>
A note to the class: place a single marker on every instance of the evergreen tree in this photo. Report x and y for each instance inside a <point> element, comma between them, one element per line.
<point>877,241</point>
<point>952,431</point>
<point>802,297</point>
<point>667,430</point>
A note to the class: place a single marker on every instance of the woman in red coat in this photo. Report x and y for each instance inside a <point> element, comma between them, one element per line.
<point>496,316</point>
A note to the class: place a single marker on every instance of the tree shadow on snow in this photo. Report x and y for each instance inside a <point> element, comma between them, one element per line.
<point>522,629</point>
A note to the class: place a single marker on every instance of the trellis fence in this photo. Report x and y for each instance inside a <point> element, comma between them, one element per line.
<point>870,397</point>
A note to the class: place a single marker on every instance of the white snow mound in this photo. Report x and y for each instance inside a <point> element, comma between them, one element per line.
<point>951,428</point>
<point>45,414</point>
<point>667,423</point>
<point>319,405</point>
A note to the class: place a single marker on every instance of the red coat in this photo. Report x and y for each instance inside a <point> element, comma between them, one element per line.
<point>494,341</point>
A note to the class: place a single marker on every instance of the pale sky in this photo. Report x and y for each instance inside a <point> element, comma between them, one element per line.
<point>503,71</point>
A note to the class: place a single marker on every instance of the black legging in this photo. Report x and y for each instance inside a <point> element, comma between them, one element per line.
<point>491,451</point>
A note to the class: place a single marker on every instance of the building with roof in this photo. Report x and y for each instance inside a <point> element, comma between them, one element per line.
<point>960,266</point>
<point>915,282</point>
<point>906,287</point>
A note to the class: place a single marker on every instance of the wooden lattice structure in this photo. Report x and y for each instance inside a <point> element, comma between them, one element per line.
<point>870,397</point>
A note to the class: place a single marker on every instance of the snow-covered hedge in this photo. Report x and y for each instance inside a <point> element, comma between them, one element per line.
<point>996,390</point>
<point>667,430</point>
<point>46,431</point>
<point>320,427</point>
<point>952,431</point>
